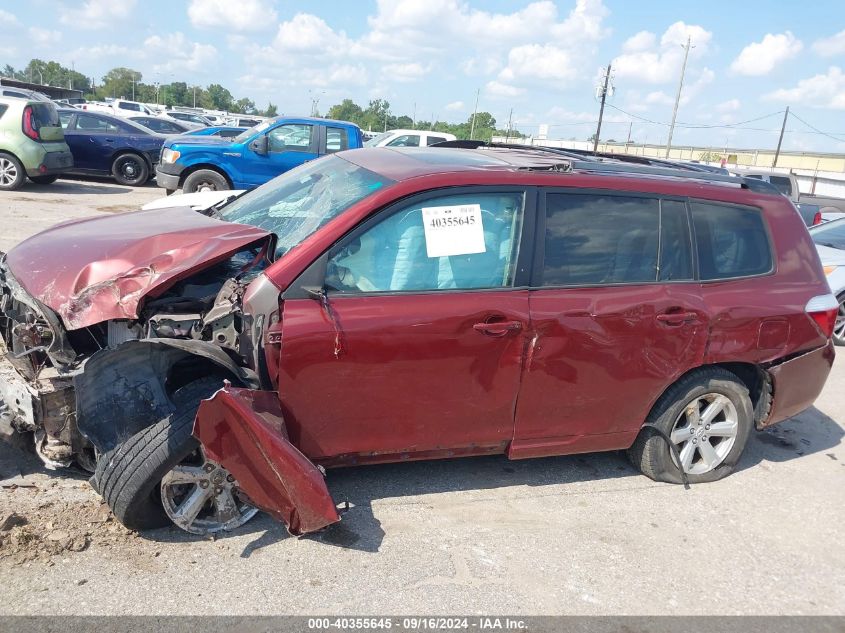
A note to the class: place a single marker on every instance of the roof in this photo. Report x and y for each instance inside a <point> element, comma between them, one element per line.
<point>537,166</point>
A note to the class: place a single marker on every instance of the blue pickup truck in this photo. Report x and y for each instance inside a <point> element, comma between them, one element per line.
<point>259,154</point>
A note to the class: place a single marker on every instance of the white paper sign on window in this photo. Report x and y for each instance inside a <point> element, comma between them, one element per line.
<point>453,230</point>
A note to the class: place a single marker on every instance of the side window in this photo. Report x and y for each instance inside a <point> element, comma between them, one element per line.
<point>593,239</point>
<point>406,140</point>
<point>731,241</point>
<point>783,184</point>
<point>3,109</point>
<point>293,137</point>
<point>435,139</point>
<point>336,139</point>
<point>94,124</point>
<point>452,242</point>
<point>64,118</point>
<point>129,106</point>
<point>675,242</point>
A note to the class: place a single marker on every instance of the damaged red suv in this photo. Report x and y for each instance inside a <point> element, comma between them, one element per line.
<point>390,304</point>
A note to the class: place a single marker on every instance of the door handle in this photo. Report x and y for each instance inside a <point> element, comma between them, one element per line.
<point>677,318</point>
<point>497,328</point>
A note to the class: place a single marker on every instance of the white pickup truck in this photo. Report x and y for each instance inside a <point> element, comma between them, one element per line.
<point>119,107</point>
<point>814,209</point>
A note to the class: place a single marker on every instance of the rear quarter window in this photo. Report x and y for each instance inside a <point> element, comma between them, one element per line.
<point>732,241</point>
<point>3,109</point>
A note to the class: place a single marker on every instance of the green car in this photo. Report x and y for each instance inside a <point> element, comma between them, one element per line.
<point>32,143</point>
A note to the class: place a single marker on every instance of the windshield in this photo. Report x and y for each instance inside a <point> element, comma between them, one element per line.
<point>373,142</point>
<point>831,234</point>
<point>240,138</point>
<point>297,203</point>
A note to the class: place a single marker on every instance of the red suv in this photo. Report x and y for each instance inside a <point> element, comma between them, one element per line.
<point>390,304</point>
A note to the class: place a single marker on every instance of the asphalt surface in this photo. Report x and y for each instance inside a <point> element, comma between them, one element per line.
<point>580,534</point>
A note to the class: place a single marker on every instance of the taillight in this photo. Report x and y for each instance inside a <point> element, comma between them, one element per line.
<point>28,127</point>
<point>817,219</point>
<point>822,309</point>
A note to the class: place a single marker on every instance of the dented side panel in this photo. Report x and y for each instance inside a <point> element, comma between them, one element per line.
<point>798,382</point>
<point>244,430</point>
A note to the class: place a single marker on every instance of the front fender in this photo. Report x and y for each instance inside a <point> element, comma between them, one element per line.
<point>244,431</point>
<point>123,390</point>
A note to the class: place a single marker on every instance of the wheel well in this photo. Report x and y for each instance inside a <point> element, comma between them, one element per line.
<point>756,380</point>
<point>12,154</point>
<point>191,368</point>
<point>194,168</point>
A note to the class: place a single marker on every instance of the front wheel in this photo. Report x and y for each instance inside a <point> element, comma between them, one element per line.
<point>708,416</point>
<point>204,180</point>
<point>839,326</point>
<point>161,475</point>
<point>130,170</point>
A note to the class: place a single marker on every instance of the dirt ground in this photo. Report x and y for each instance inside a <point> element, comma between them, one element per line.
<point>580,534</point>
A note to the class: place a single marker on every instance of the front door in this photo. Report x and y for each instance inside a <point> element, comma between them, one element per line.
<point>289,146</point>
<point>617,314</point>
<point>415,346</point>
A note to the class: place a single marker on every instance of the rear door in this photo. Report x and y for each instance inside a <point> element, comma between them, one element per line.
<point>617,316</point>
<point>92,141</point>
<point>416,347</point>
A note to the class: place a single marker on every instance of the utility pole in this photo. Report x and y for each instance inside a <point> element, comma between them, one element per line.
<point>510,118</point>
<point>415,116</point>
<point>628,142</point>
<point>780,138</point>
<point>474,113</point>
<point>601,110</point>
<point>678,96</point>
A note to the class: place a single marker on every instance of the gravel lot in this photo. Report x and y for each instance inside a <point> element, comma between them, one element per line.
<point>572,535</point>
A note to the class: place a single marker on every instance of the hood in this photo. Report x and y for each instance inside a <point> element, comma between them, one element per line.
<point>198,201</point>
<point>193,139</point>
<point>96,269</point>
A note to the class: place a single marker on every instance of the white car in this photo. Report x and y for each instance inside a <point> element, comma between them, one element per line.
<point>408,138</point>
<point>119,107</point>
<point>830,242</point>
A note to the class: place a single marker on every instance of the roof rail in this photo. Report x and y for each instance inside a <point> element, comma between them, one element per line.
<point>584,162</point>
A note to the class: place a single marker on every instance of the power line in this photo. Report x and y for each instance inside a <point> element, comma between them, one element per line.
<point>695,126</point>
<point>817,130</point>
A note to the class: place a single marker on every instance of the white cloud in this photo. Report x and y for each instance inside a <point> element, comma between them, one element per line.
<point>175,53</point>
<point>498,89</point>
<point>44,37</point>
<point>240,15</point>
<point>455,106</point>
<point>641,41</point>
<point>661,63</point>
<point>98,14</point>
<point>307,33</point>
<point>406,72</point>
<point>731,105</point>
<point>761,58</point>
<point>821,91</point>
<point>7,19</point>
<point>830,46</point>
<point>546,63</point>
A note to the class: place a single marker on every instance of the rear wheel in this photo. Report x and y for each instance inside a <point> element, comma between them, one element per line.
<point>12,174</point>
<point>43,180</point>
<point>161,475</point>
<point>839,327</point>
<point>708,416</point>
<point>130,170</point>
<point>205,180</point>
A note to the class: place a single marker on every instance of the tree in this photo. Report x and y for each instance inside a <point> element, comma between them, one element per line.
<point>376,115</point>
<point>244,106</point>
<point>347,110</point>
<point>218,98</point>
<point>271,110</point>
<point>119,82</point>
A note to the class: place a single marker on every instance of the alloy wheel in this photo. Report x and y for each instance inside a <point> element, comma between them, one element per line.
<point>8,172</point>
<point>201,497</point>
<point>839,325</point>
<point>705,432</point>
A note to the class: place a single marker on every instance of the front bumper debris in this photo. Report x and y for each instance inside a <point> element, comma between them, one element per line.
<point>244,431</point>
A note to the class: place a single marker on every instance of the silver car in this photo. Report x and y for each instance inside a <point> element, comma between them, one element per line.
<point>830,242</point>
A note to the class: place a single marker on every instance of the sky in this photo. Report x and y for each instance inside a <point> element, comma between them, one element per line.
<point>539,60</point>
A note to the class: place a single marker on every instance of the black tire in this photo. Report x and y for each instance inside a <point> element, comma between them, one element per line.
<point>43,180</point>
<point>205,180</point>
<point>650,452</point>
<point>12,173</point>
<point>130,170</point>
<point>839,328</point>
<point>128,476</point>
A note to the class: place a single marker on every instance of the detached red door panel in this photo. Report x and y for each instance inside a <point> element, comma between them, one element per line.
<point>402,374</point>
